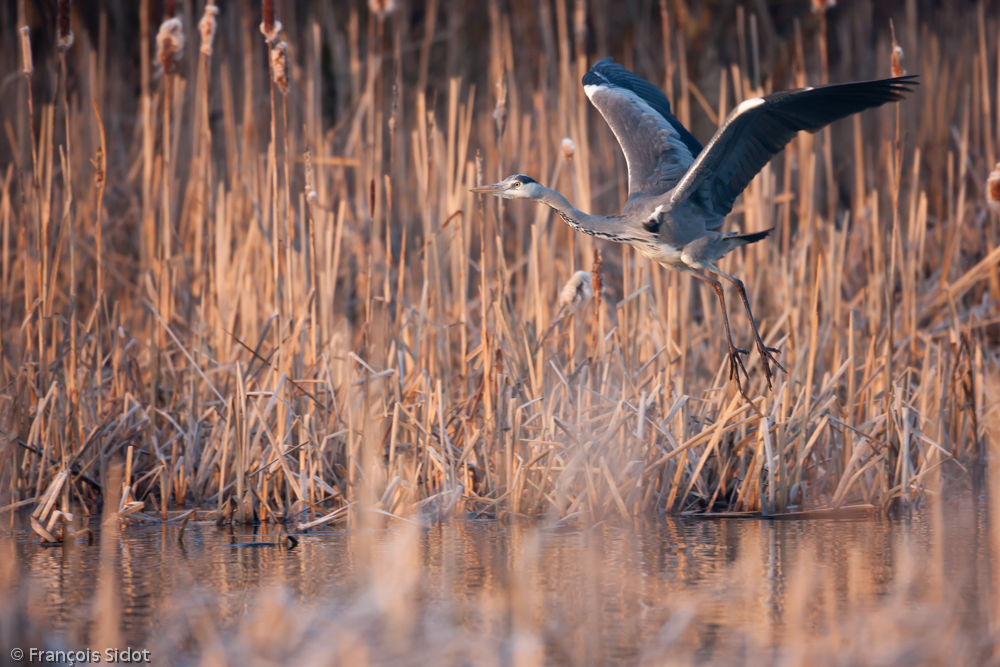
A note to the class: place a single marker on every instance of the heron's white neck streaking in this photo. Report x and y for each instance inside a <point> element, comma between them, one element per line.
<point>604,227</point>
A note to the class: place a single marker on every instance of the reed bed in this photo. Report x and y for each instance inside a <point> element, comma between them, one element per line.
<point>245,280</point>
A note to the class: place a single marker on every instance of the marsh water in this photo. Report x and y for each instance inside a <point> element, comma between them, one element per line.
<point>611,588</point>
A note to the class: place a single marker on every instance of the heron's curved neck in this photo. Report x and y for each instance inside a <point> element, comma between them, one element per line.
<point>604,227</point>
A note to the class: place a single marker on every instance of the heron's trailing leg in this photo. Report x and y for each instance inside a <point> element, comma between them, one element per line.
<point>763,350</point>
<point>735,362</point>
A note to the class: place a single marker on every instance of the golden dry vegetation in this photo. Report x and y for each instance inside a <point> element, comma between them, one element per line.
<point>257,284</point>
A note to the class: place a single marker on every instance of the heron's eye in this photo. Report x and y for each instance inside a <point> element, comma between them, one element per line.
<point>516,184</point>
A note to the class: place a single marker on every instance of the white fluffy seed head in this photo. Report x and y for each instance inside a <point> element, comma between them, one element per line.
<point>169,45</point>
<point>568,149</point>
<point>279,65</point>
<point>65,41</point>
<point>381,7</point>
<point>578,288</point>
<point>63,23</point>
<point>29,66</point>
<point>311,195</point>
<point>897,61</point>
<point>273,34</point>
<point>207,26</point>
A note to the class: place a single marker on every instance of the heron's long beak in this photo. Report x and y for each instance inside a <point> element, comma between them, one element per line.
<point>494,189</point>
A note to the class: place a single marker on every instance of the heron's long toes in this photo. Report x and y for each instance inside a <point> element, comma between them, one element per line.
<point>777,363</point>
<point>736,365</point>
<point>767,356</point>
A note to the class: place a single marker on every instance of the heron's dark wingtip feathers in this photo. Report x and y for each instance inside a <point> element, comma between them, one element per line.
<point>812,109</point>
<point>759,129</point>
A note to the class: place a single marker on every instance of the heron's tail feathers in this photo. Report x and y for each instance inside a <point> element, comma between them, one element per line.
<point>736,240</point>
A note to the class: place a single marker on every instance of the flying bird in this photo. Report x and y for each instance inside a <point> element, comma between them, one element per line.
<point>680,192</point>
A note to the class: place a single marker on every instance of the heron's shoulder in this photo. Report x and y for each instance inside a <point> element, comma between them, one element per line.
<point>642,205</point>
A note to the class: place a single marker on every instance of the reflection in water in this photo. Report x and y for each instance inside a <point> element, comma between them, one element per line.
<point>604,595</point>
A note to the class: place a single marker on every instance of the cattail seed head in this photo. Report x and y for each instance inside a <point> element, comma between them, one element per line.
<point>381,7</point>
<point>580,21</point>
<point>268,15</point>
<point>65,31</point>
<point>820,6</point>
<point>897,54</point>
<point>207,27</point>
<point>271,35</point>
<point>578,289</point>
<point>568,149</point>
<point>993,188</point>
<point>169,45</point>
<point>279,65</point>
<point>270,27</point>
<point>29,66</point>
<point>500,111</point>
<point>311,195</point>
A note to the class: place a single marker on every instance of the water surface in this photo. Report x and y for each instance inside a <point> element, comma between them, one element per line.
<point>602,595</point>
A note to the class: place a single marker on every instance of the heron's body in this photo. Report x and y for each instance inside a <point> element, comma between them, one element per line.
<point>680,192</point>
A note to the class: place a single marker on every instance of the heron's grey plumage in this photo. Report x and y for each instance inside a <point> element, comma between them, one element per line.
<point>680,192</point>
<point>658,150</point>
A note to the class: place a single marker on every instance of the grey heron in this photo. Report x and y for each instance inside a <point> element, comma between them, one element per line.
<point>679,192</point>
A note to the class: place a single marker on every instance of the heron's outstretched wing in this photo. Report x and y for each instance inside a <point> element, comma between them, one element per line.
<point>759,128</point>
<point>657,148</point>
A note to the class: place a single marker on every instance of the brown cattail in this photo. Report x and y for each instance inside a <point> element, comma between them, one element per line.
<point>381,7</point>
<point>270,26</point>
<point>820,6</point>
<point>65,31</point>
<point>268,15</point>
<point>207,26</point>
<point>580,23</point>
<point>169,45</point>
<point>279,65</point>
<point>29,66</point>
<point>993,188</point>
<point>568,149</point>
<point>578,289</point>
<point>897,54</point>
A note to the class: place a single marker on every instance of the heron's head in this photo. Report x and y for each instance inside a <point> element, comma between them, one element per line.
<point>517,186</point>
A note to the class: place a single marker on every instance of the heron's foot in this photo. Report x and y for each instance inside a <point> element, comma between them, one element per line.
<point>767,358</point>
<point>736,365</point>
